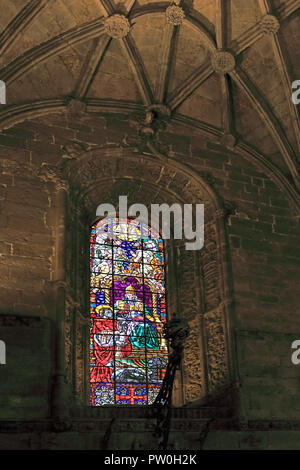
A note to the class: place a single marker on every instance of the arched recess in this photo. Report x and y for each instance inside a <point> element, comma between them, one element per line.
<point>198,286</point>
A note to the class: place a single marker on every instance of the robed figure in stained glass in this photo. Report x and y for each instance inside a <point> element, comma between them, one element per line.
<point>105,334</point>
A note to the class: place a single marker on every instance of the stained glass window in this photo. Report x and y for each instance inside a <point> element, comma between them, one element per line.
<point>128,353</point>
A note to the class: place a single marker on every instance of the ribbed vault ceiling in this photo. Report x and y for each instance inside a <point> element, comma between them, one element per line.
<point>54,49</point>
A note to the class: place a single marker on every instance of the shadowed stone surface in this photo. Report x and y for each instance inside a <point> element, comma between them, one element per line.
<point>155,116</point>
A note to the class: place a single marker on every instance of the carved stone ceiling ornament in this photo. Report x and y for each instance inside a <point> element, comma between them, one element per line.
<point>269,24</point>
<point>223,62</point>
<point>117,26</point>
<point>174,15</point>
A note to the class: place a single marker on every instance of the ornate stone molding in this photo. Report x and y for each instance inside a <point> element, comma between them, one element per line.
<point>192,363</point>
<point>174,15</point>
<point>103,164</point>
<point>210,266</point>
<point>216,348</point>
<point>269,24</point>
<point>223,62</point>
<point>117,26</point>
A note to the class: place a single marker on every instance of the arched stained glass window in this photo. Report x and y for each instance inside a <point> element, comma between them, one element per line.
<point>128,354</point>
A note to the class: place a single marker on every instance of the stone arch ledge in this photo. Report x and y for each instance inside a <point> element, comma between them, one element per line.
<point>133,154</point>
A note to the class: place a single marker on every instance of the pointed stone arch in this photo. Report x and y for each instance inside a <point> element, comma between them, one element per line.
<point>198,286</point>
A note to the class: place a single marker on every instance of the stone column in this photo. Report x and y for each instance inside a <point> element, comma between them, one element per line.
<point>59,398</point>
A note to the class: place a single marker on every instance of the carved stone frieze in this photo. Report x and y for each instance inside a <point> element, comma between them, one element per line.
<point>210,268</point>
<point>192,363</point>
<point>215,348</point>
<point>109,165</point>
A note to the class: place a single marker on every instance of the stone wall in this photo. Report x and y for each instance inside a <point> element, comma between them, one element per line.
<point>25,378</point>
<point>262,250</point>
